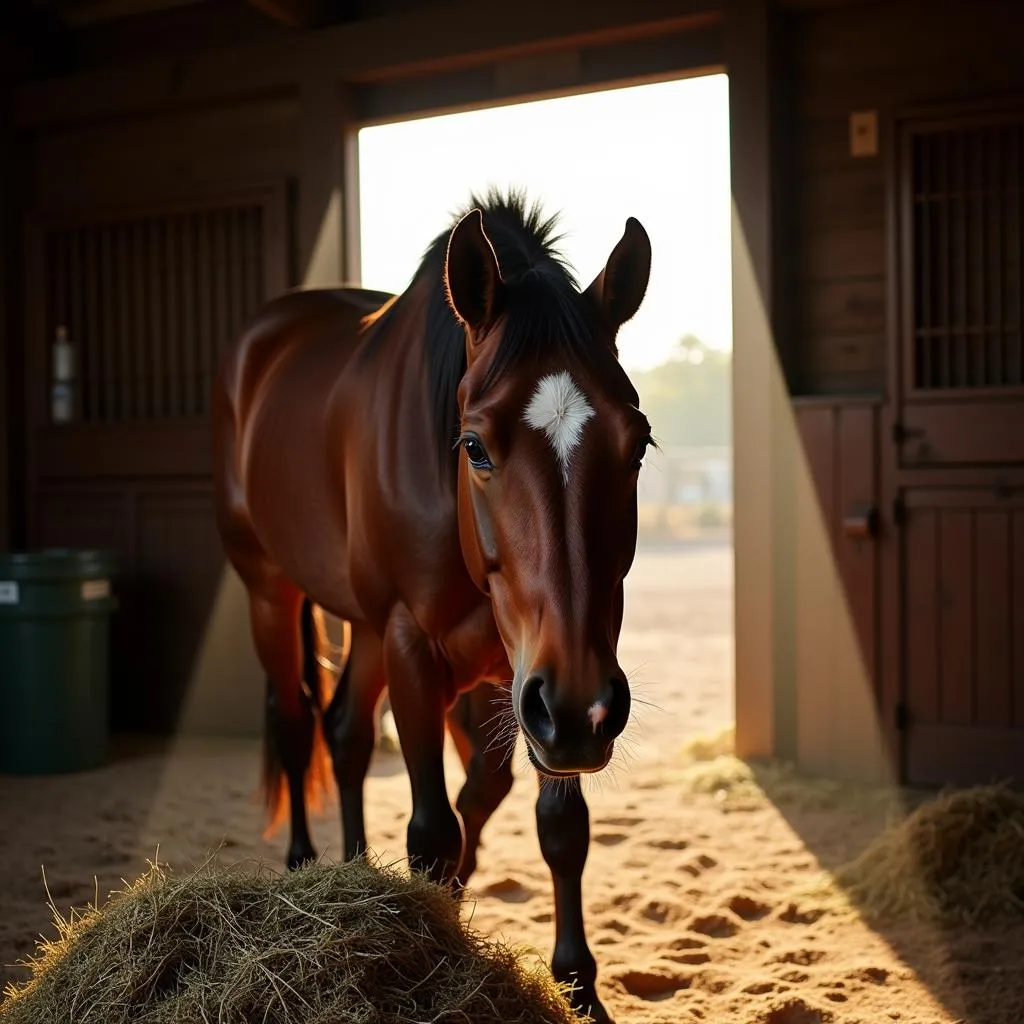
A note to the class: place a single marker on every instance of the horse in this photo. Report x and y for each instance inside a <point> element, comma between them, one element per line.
<point>452,471</point>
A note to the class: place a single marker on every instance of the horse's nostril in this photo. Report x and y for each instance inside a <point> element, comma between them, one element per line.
<point>534,711</point>
<point>617,707</point>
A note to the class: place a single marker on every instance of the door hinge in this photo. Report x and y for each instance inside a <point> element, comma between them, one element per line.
<point>900,716</point>
<point>899,512</point>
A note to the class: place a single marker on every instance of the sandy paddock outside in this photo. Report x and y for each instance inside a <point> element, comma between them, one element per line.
<point>702,906</point>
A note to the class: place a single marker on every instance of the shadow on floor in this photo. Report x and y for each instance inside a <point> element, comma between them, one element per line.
<point>974,971</point>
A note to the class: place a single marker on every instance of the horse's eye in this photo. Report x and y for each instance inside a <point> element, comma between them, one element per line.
<point>476,454</point>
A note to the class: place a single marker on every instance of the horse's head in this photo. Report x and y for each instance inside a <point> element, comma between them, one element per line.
<point>552,441</point>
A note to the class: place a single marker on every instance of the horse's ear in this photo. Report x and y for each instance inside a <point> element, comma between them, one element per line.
<point>620,287</point>
<point>472,278</point>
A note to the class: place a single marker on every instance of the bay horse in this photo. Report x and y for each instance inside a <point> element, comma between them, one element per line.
<point>451,471</point>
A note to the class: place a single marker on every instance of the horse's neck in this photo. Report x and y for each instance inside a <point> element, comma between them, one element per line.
<point>403,380</point>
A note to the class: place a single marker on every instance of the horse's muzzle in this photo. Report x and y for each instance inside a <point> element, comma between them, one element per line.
<point>565,734</point>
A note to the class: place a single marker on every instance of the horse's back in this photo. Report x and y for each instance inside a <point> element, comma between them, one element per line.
<point>369,300</point>
<point>332,316</point>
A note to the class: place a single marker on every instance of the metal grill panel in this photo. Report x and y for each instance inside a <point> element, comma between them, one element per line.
<point>967,256</point>
<point>149,303</point>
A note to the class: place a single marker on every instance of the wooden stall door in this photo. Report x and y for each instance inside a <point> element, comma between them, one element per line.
<point>964,622</point>
<point>149,299</point>
<point>958,445</point>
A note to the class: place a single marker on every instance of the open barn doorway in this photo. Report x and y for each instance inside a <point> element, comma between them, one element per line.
<point>659,152</point>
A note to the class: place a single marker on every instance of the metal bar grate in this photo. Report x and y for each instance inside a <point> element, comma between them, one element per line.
<point>967,257</point>
<point>150,302</point>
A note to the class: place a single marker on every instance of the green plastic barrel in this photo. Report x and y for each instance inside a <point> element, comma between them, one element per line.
<point>55,610</point>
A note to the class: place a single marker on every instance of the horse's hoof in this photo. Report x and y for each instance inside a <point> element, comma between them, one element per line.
<point>465,873</point>
<point>588,1008</point>
<point>592,1010</point>
<point>299,857</point>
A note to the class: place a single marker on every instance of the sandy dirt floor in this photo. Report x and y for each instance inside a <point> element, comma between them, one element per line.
<point>701,906</point>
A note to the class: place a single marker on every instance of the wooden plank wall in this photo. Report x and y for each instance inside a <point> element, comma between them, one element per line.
<point>884,57</point>
<point>837,586</point>
<point>168,155</point>
<point>141,488</point>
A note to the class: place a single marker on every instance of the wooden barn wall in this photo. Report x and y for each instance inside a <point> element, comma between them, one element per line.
<point>884,57</point>
<point>141,488</point>
<point>176,154</point>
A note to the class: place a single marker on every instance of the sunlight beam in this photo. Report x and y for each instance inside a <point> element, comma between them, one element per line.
<point>799,662</point>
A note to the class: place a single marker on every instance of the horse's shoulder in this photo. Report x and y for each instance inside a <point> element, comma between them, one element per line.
<point>276,326</point>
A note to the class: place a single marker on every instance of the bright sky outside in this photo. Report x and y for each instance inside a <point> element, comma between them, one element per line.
<point>656,152</point>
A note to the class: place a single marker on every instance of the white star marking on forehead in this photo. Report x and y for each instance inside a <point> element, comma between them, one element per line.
<point>559,408</point>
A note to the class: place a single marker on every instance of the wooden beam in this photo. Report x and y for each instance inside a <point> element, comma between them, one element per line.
<point>569,72</point>
<point>293,13</point>
<point>812,6</point>
<point>443,37</point>
<point>309,13</point>
<point>764,664</point>
<point>91,12</point>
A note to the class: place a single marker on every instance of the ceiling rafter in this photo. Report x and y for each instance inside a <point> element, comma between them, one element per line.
<point>308,13</point>
<point>91,12</point>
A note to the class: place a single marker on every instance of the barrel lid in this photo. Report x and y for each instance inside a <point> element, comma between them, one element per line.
<point>55,564</point>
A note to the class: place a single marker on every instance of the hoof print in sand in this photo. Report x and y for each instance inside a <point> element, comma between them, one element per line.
<point>874,975</point>
<point>748,908</point>
<point>620,822</point>
<point>795,977</point>
<point>615,925</point>
<point>795,1011</point>
<point>801,957</point>
<point>699,865</point>
<point>693,957</point>
<point>610,838</point>
<point>508,890</point>
<point>668,844</point>
<point>716,926</point>
<point>712,981</point>
<point>64,890</point>
<point>794,914</point>
<point>109,858</point>
<point>661,912</point>
<point>653,984</point>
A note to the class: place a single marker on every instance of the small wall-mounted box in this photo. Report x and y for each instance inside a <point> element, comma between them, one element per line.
<point>864,133</point>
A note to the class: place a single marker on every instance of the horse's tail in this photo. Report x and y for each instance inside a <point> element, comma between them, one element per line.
<point>317,691</point>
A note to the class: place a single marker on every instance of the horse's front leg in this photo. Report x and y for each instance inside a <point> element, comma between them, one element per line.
<point>563,828</point>
<point>416,681</point>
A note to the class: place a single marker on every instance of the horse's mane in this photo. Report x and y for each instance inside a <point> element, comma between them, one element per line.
<point>543,307</point>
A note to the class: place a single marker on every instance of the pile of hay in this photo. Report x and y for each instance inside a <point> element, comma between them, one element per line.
<point>711,768</point>
<point>347,944</point>
<point>702,748</point>
<point>957,858</point>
